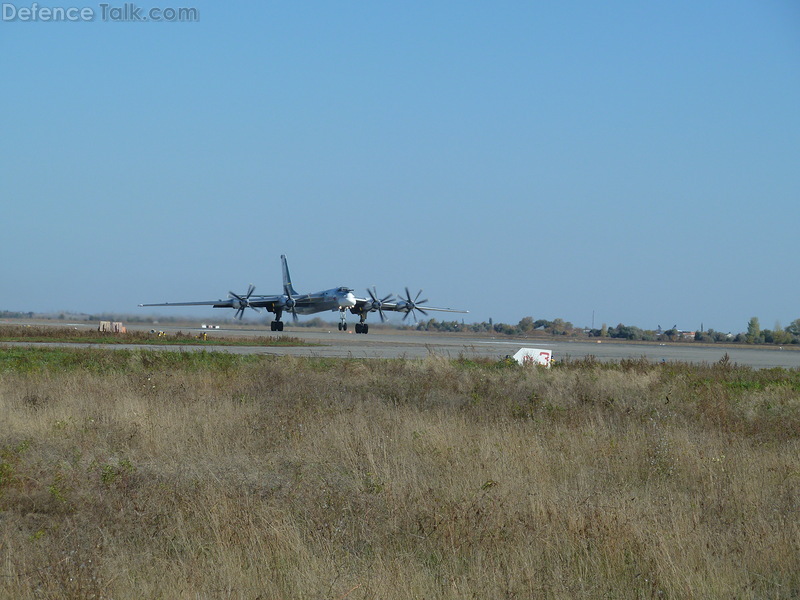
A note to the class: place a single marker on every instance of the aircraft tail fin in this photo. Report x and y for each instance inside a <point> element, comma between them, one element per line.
<point>287,279</point>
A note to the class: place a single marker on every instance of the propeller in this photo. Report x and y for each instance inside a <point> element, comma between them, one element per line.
<point>243,302</point>
<point>290,304</point>
<point>411,305</point>
<point>378,304</point>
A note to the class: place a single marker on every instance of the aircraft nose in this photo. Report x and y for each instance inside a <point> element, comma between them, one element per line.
<point>348,300</point>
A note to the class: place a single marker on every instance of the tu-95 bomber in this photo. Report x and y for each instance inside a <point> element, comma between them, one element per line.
<point>340,298</point>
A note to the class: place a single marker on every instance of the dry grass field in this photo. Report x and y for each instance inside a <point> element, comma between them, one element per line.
<point>136,474</point>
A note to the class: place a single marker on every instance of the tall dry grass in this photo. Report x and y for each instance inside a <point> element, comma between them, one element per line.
<point>303,478</point>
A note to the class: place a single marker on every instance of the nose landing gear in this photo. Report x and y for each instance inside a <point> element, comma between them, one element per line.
<point>361,327</point>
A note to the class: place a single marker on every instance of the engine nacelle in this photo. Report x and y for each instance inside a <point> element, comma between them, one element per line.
<point>288,303</point>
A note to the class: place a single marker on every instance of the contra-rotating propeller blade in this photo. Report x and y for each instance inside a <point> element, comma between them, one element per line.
<point>378,304</point>
<point>243,302</point>
<point>411,305</point>
<point>290,304</point>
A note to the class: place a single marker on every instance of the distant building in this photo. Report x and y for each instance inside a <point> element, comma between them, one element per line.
<point>112,327</point>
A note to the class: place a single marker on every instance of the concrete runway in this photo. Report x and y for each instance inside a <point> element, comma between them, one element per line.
<point>421,344</point>
<point>411,344</point>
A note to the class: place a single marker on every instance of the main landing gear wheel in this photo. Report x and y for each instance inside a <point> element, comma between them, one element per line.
<point>362,328</point>
<point>276,325</point>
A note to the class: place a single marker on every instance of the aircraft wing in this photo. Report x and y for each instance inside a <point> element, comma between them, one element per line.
<point>405,305</point>
<point>410,307</point>
<point>401,307</point>
<point>256,301</point>
<point>215,303</point>
<point>267,302</point>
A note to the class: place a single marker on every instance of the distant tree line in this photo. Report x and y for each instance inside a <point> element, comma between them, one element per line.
<point>560,327</point>
<point>526,326</point>
<point>778,335</point>
<point>10,314</point>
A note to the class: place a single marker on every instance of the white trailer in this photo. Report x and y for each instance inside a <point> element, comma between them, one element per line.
<point>534,356</point>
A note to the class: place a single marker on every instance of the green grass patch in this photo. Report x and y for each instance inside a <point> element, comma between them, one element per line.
<point>100,361</point>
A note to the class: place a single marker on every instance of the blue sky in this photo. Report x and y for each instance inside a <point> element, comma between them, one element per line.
<point>635,160</point>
